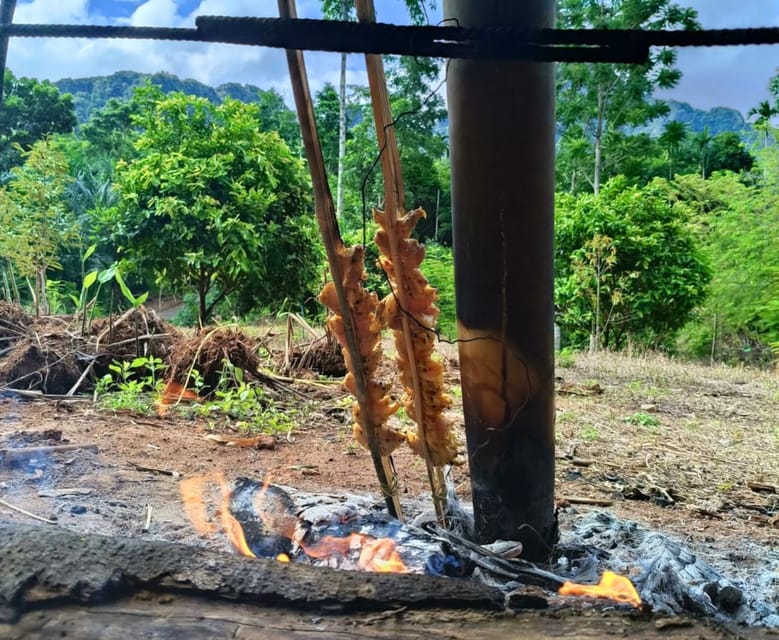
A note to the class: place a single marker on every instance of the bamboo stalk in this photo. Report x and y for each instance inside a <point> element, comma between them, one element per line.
<point>328,227</point>
<point>394,197</point>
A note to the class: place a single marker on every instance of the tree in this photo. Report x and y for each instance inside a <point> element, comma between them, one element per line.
<point>213,205</point>
<point>31,110</point>
<point>728,152</point>
<point>735,223</point>
<point>627,264</point>
<point>598,99</point>
<point>275,115</point>
<point>702,141</point>
<point>674,134</point>
<point>36,224</point>
<point>761,116</point>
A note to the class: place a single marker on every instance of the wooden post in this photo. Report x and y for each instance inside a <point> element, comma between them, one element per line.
<point>501,132</point>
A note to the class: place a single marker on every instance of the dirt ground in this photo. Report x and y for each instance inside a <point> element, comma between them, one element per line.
<point>685,449</point>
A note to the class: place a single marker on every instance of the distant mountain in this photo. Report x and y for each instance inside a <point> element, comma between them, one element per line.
<point>91,94</point>
<point>718,120</point>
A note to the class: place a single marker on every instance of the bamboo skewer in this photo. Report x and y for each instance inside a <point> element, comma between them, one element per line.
<point>328,226</point>
<point>394,197</point>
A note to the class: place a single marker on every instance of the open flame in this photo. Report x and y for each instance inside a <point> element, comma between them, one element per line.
<point>364,551</point>
<point>612,586</point>
<point>375,554</point>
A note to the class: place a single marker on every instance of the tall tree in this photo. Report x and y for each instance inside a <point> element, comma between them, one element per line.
<point>702,141</point>
<point>31,110</point>
<point>674,134</point>
<point>340,10</point>
<point>604,98</point>
<point>35,221</point>
<point>213,205</point>
<point>761,116</point>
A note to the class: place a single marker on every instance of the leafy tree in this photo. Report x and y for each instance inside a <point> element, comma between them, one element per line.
<point>761,116</point>
<point>418,113</point>
<point>728,152</point>
<point>275,115</point>
<point>627,266</point>
<point>213,205</point>
<point>674,134</point>
<point>595,100</point>
<point>735,223</point>
<point>31,110</point>
<point>36,224</point>
<point>702,142</point>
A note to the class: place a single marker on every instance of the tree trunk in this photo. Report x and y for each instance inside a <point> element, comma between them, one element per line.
<point>598,145</point>
<point>501,131</point>
<point>339,191</point>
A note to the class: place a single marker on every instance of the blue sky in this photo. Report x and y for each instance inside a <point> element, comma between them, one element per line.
<point>726,76</point>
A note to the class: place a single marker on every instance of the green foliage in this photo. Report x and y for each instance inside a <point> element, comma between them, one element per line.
<point>597,101</point>
<point>643,419</point>
<point>31,111</point>
<point>131,385</point>
<point>213,204</point>
<point>35,221</point>
<point>438,267</point>
<point>736,224</point>
<point>627,266</point>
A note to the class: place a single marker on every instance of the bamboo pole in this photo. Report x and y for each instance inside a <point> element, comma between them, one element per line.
<point>328,226</point>
<point>394,208</point>
<point>501,133</point>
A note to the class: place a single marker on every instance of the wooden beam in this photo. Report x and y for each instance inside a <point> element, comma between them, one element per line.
<point>501,132</point>
<point>7,8</point>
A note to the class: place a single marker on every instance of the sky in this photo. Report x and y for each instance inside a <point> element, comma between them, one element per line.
<point>735,77</point>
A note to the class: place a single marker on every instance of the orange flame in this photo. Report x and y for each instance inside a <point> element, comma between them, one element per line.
<point>379,555</point>
<point>232,527</point>
<point>173,393</point>
<point>611,586</point>
<point>373,554</point>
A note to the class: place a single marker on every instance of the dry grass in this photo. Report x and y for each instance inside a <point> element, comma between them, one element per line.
<point>683,435</point>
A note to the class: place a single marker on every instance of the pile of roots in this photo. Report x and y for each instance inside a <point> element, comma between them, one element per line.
<point>54,355</point>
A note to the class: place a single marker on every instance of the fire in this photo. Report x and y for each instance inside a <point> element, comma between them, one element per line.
<point>368,553</point>
<point>380,555</point>
<point>174,393</point>
<point>611,586</point>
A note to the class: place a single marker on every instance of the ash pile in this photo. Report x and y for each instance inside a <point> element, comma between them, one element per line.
<point>354,532</point>
<point>733,585</point>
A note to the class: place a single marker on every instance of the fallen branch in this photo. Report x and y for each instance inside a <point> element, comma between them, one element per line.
<point>164,472</point>
<point>60,493</point>
<point>25,453</point>
<point>93,568</point>
<point>13,507</point>
<point>596,502</point>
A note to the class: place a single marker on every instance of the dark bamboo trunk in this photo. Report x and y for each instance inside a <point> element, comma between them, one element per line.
<point>501,129</point>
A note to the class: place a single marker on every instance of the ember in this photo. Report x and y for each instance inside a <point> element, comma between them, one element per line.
<point>611,586</point>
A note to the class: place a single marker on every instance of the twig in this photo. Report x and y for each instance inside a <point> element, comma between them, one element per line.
<point>145,528</point>
<point>81,378</point>
<point>165,472</point>
<point>23,453</point>
<point>13,507</point>
<point>596,502</point>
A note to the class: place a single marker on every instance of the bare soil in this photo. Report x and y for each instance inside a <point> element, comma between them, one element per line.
<point>689,450</point>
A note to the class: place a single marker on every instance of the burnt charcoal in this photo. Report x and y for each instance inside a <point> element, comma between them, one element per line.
<point>527,597</point>
<point>673,580</point>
